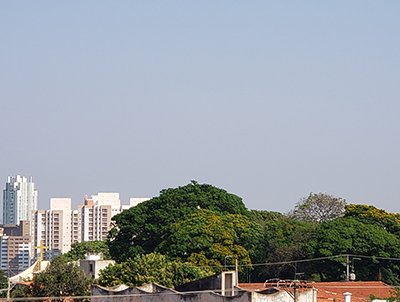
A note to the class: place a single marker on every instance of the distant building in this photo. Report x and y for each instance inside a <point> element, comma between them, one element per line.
<point>76,226</point>
<point>60,227</point>
<point>52,228</point>
<point>93,218</point>
<point>134,201</point>
<point>95,215</point>
<point>19,199</point>
<point>15,248</point>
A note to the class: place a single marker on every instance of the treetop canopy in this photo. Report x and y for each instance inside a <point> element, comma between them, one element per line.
<point>142,228</point>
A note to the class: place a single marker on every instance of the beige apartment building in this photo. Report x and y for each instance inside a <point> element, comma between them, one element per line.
<point>95,215</point>
<point>76,226</point>
<point>52,228</point>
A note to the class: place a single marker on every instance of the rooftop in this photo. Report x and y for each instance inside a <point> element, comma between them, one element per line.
<point>361,291</point>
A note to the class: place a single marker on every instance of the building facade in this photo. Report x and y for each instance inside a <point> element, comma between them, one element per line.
<point>52,228</point>
<point>95,215</point>
<point>20,198</point>
<point>57,229</point>
<point>15,248</point>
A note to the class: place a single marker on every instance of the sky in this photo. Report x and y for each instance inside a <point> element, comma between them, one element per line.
<point>269,100</point>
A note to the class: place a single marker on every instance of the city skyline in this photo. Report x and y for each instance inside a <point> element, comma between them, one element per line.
<point>57,228</point>
<point>17,182</point>
<point>129,201</point>
<point>267,100</point>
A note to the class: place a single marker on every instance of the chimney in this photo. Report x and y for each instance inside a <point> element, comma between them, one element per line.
<point>347,297</point>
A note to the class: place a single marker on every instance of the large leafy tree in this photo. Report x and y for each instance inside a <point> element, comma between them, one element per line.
<point>373,215</point>
<point>141,229</point>
<point>153,267</point>
<point>61,278</point>
<point>319,207</point>
<point>283,240</point>
<point>348,235</point>
<point>209,238</point>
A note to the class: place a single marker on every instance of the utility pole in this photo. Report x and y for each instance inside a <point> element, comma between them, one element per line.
<point>295,291</point>
<point>347,268</point>
<point>8,287</point>
<point>237,271</point>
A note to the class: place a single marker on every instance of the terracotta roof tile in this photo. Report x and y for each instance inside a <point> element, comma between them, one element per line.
<point>333,291</point>
<point>361,290</point>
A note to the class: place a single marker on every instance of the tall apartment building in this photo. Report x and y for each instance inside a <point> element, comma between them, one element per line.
<point>60,227</point>
<point>15,248</point>
<point>19,199</point>
<point>95,215</point>
<point>52,228</point>
<point>76,227</point>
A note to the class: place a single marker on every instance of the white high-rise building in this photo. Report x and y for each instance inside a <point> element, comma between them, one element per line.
<point>76,227</point>
<point>95,215</point>
<point>19,199</point>
<point>60,227</point>
<point>52,228</point>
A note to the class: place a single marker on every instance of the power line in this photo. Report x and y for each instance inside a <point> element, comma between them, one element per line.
<point>311,260</point>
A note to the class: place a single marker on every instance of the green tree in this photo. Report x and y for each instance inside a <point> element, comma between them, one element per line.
<point>153,267</point>
<point>283,240</point>
<point>373,215</point>
<point>347,235</point>
<point>61,278</point>
<point>319,207</point>
<point>80,249</point>
<point>21,291</point>
<point>209,238</point>
<point>3,284</point>
<point>141,229</point>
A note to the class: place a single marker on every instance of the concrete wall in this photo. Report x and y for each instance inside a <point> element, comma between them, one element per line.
<point>155,293</point>
<point>167,295</point>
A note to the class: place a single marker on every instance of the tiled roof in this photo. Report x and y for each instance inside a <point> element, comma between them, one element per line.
<point>333,291</point>
<point>252,286</point>
<point>262,287</point>
<point>361,290</point>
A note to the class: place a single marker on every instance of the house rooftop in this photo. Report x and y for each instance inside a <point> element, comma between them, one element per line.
<point>361,291</point>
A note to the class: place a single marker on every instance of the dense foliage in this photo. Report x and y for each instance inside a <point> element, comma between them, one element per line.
<point>351,236</point>
<point>207,238</point>
<point>3,284</point>
<point>153,267</point>
<point>200,226</point>
<point>197,230</point>
<point>141,229</point>
<point>61,278</point>
<point>372,215</point>
<point>284,238</point>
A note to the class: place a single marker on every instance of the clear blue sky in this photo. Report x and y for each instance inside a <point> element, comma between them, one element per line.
<point>268,100</point>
